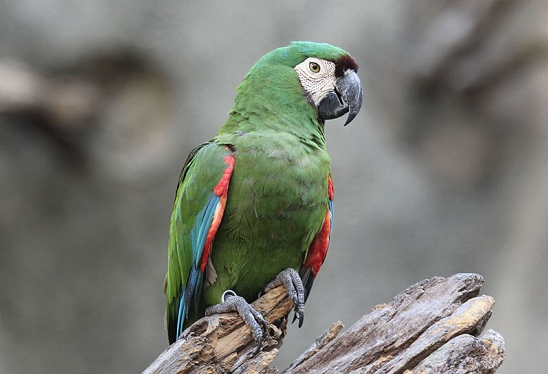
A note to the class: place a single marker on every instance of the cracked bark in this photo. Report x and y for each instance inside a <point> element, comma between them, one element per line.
<point>434,326</point>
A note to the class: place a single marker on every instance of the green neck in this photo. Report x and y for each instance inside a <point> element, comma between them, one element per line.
<point>271,98</point>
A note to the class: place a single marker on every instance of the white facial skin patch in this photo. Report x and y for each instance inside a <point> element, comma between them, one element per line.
<point>317,77</point>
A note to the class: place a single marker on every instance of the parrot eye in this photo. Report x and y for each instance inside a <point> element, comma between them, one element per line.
<point>314,67</point>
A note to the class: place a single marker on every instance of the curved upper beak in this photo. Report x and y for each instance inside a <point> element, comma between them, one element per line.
<point>346,97</point>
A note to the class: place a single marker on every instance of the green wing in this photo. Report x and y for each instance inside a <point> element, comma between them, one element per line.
<point>197,213</point>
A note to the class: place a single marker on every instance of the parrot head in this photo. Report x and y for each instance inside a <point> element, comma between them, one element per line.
<point>316,78</point>
<point>332,85</point>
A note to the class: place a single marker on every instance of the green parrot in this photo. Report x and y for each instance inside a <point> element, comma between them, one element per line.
<point>254,205</point>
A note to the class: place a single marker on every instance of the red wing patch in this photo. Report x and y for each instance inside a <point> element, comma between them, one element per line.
<point>318,248</point>
<point>320,244</point>
<point>221,191</point>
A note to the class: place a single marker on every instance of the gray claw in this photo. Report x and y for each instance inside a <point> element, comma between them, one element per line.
<point>253,319</point>
<point>295,289</point>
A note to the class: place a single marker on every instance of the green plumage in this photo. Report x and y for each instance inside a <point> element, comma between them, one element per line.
<point>278,192</point>
<point>276,204</point>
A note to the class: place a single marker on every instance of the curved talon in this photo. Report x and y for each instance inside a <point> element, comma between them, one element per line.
<point>295,289</point>
<point>231,302</point>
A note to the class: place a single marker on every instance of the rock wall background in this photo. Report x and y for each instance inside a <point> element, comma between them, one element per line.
<point>444,170</point>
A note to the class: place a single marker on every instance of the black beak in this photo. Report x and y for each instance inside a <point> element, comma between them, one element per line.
<point>347,97</point>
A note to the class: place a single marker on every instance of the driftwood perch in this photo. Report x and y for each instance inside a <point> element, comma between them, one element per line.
<point>435,326</point>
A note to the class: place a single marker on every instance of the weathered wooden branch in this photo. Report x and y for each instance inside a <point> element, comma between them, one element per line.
<point>435,326</point>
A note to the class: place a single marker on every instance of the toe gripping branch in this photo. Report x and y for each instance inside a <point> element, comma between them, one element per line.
<point>295,289</point>
<point>253,319</point>
<point>231,302</point>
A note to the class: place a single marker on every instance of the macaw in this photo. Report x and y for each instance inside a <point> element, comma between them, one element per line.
<point>254,205</point>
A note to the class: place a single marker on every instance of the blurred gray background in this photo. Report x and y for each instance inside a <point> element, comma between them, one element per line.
<point>445,170</point>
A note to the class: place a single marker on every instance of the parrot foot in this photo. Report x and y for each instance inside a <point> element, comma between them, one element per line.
<point>295,289</point>
<point>253,319</point>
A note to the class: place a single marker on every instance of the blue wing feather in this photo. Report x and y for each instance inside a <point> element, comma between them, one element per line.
<point>201,227</point>
<point>191,292</point>
<point>190,225</point>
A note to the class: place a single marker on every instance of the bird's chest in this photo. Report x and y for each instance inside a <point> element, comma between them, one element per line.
<point>275,186</point>
<point>277,200</point>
